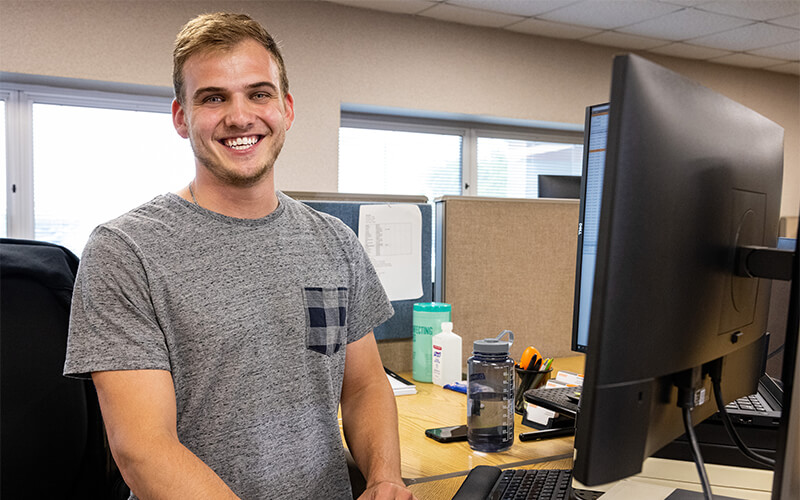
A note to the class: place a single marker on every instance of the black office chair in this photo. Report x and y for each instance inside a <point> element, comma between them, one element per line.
<point>52,442</point>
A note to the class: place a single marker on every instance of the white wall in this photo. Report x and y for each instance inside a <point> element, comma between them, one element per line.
<point>338,54</point>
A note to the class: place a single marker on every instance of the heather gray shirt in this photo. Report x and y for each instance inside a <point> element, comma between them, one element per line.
<point>251,317</point>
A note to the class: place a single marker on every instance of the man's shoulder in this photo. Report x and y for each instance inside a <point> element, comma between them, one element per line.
<point>160,210</point>
<point>315,218</point>
<point>149,220</point>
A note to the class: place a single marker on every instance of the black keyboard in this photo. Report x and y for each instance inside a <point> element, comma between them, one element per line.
<point>750,403</point>
<point>559,399</point>
<point>486,482</point>
<point>539,484</point>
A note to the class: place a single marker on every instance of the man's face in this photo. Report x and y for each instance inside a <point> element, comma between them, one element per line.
<point>233,112</point>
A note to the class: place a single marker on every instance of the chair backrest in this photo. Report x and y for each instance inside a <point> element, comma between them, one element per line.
<point>51,434</point>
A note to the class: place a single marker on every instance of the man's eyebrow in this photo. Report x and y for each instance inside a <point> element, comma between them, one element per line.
<point>262,84</point>
<point>206,90</point>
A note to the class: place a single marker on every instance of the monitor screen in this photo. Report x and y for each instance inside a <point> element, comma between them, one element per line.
<point>690,176</point>
<point>559,186</point>
<point>595,136</point>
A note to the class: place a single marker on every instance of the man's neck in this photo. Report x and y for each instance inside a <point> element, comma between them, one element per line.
<point>250,202</point>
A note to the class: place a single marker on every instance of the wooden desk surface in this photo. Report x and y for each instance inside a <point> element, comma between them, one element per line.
<point>424,459</point>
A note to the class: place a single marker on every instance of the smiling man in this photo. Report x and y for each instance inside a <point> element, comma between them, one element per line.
<point>224,324</point>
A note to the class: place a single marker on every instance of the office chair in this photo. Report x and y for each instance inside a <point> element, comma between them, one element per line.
<point>52,442</point>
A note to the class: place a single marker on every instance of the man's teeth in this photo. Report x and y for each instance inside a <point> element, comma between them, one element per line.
<point>241,142</point>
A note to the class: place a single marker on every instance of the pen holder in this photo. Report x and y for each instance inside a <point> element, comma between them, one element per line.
<point>528,379</point>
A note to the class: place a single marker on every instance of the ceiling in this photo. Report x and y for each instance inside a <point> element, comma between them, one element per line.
<point>761,34</point>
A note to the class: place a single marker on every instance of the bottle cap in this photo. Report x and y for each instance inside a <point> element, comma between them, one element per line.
<point>495,345</point>
<point>432,307</point>
<point>447,327</point>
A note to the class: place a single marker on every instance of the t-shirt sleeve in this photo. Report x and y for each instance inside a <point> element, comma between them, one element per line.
<point>369,306</point>
<point>113,325</point>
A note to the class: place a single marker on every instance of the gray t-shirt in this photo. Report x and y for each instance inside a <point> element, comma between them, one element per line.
<point>251,317</point>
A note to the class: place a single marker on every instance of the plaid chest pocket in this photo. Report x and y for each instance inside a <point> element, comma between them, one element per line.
<point>326,319</point>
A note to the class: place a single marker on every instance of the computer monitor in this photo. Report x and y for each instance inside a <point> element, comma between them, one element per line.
<point>559,186</point>
<point>690,176</point>
<point>595,138</point>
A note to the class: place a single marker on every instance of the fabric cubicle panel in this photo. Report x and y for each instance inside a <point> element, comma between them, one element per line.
<point>508,264</point>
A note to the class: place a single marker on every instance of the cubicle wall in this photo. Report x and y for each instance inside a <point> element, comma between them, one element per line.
<point>508,264</point>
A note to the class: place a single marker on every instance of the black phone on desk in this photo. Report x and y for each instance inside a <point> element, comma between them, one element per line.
<point>448,434</point>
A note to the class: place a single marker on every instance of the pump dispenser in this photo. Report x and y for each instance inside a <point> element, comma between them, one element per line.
<point>446,356</point>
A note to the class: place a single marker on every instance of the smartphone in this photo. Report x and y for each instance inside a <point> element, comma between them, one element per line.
<point>448,434</point>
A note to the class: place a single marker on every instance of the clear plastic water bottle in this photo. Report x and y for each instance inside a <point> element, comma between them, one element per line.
<point>490,394</point>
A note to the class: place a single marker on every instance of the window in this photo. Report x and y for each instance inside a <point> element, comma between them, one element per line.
<point>91,165</point>
<point>509,168</point>
<point>83,157</point>
<point>435,157</point>
<point>399,162</point>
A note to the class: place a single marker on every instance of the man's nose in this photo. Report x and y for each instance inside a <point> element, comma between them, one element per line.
<point>240,114</point>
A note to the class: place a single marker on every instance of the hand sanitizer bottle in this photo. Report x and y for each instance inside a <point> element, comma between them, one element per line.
<point>446,356</point>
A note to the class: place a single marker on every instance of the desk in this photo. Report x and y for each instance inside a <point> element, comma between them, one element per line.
<point>423,459</point>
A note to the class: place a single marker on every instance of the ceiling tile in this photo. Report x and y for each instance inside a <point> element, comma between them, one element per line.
<point>684,24</point>
<point>608,14</point>
<point>746,60</point>
<point>465,15</point>
<point>689,51</point>
<point>623,40</point>
<point>788,21</point>
<point>753,36</point>
<point>791,68</point>
<point>394,6</point>
<point>757,10</point>
<point>551,29</point>
<point>684,3</point>
<point>789,51</point>
<point>516,7</point>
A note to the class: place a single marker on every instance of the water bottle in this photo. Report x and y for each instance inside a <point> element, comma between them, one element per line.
<point>427,322</point>
<point>490,394</point>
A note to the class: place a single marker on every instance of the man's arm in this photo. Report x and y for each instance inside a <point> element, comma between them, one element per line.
<point>369,419</point>
<point>139,413</point>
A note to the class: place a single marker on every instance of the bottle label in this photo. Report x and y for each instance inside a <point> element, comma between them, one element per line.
<point>423,330</point>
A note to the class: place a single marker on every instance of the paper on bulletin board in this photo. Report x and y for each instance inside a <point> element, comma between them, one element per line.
<point>392,237</point>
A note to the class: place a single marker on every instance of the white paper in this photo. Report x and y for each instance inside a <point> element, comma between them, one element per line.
<point>392,237</point>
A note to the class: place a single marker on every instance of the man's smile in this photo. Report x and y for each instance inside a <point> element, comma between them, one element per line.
<point>241,143</point>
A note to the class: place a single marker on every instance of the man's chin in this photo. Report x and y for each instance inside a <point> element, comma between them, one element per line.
<point>236,178</point>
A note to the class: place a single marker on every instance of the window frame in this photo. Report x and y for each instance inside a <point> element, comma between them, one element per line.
<point>20,93</point>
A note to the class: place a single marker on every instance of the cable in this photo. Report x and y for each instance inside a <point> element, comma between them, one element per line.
<point>698,458</point>
<point>726,420</point>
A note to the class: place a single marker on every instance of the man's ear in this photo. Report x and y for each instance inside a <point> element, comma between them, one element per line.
<point>288,104</point>
<point>179,119</point>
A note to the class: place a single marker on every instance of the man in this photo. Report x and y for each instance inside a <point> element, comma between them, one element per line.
<point>223,324</point>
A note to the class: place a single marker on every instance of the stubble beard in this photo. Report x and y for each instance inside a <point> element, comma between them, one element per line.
<point>233,177</point>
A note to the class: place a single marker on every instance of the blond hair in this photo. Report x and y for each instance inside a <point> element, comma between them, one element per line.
<point>221,31</point>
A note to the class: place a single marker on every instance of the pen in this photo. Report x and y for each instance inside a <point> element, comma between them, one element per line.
<point>396,376</point>
<point>546,434</point>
